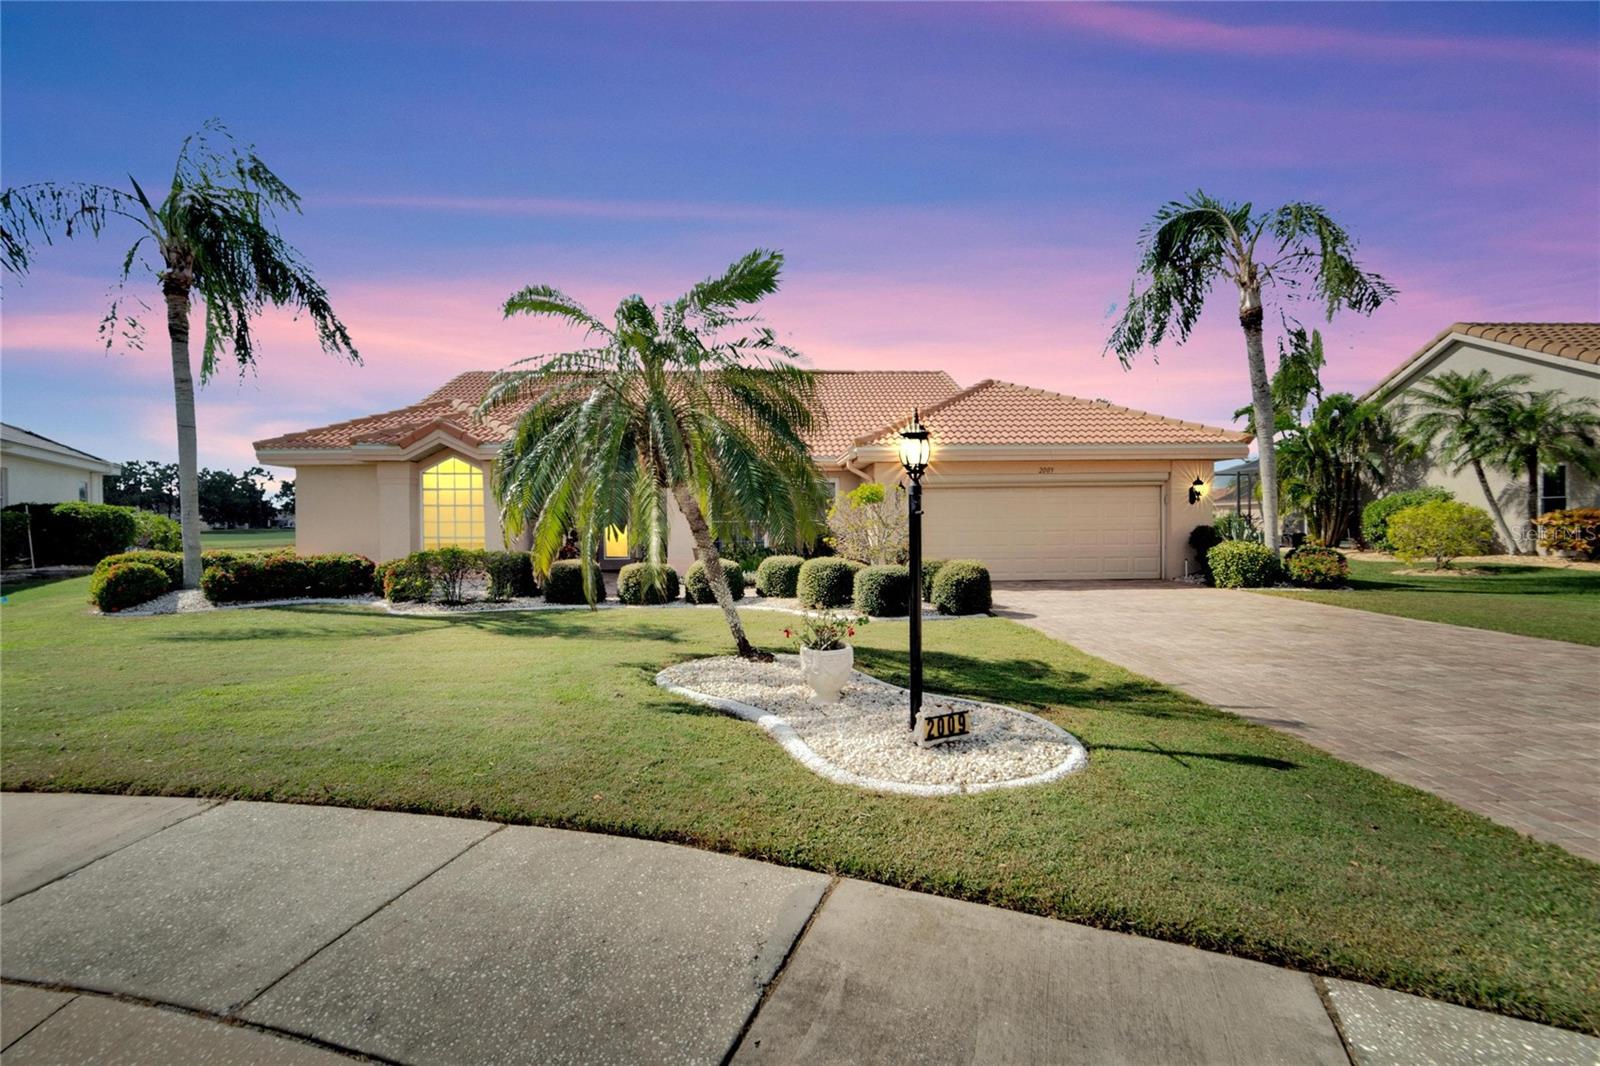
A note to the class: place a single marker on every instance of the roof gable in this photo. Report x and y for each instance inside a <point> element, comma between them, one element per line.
<point>1578,341</point>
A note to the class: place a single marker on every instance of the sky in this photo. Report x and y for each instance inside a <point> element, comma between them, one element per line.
<point>955,187</point>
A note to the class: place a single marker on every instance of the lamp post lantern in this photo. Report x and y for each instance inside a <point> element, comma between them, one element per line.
<point>914,457</point>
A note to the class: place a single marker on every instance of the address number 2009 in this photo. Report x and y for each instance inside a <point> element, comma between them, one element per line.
<point>1047,470</point>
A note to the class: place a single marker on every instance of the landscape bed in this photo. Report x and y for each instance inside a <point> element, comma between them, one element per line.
<point>1190,825</point>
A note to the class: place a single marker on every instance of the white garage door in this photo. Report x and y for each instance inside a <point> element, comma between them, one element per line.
<point>1067,532</point>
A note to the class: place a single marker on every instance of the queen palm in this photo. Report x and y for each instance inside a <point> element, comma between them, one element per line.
<point>1543,429</point>
<point>215,238</point>
<point>1192,245</point>
<point>1327,462</point>
<point>1463,416</point>
<point>694,399</point>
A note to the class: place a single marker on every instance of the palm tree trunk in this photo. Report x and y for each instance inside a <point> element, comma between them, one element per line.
<point>1250,319</point>
<point>1512,544</point>
<point>1533,503</point>
<point>706,550</point>
<point>175,287</point>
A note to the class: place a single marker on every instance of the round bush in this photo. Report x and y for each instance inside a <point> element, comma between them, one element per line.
<point>565,583</point>
<point>408,580</point>
<point>1375,515</point>
<point>1314,567</point>
<point>510,574</point>
<point>883,590</point>
<point>1440,530</point>
<point>697,589</point>
<point>126,585</point>
<point>963,587</point>
<point>930,570</point>
<point>169,563</point>
<point>641,584</point>
<point>1243,564</point>
<point>827,582</point>
<point>778,575</point>
<point>156,532</point>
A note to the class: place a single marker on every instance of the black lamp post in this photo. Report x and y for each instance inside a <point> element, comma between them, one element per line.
<point>914,457</point>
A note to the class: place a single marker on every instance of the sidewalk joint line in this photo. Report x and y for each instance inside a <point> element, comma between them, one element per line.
<point>1320,983</point>
<point>54,1011</point>
<point>783,967</point>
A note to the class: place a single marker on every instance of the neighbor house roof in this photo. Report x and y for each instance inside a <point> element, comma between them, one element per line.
<point>39,443</point>
<point>1578,341</point>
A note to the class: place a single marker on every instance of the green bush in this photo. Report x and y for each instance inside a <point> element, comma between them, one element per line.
<point>778,575</point>
<point>930,570</point>
<point>697,589</point>
<point>510,574</point>
<point>380,576</point>
<point>1314,567</point>
<point>1202,539</point>
<point>1440,530</point>
<point>827,582</point>
<point>408,580</point>
<point>883,590</point>
<point>640,584</point>
<point>451,566</point>
<point>169,563</point>
<point>565,583</point>
<point>14,536</point>
<point>1375,515</point>
<point>76,534</point>
<point>1243,564</point>
<point>963,587</point>
<point>285,576</point>
<point>156,532</point>
<point>125,585</point>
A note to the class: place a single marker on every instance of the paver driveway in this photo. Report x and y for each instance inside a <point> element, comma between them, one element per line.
<point>1504,725</point>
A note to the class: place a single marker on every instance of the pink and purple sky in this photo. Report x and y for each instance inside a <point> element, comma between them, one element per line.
<point>954,186</point>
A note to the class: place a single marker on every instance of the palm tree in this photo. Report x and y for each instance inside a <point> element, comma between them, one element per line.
<point>693,399</point>
<point>214,234</point>
<point>1190,245</point>
<point>1542,429</point>
<point>1328,461</point>
<point>1464,415</point>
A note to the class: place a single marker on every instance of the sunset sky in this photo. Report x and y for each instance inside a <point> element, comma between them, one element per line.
<point>955,187</point>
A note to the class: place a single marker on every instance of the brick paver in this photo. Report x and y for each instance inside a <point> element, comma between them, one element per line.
<point>1503,725</point>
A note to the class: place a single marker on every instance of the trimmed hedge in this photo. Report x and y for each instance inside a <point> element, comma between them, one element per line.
<point>883,591</point>
<point>283,576</point>
<point>963,587</point>
<point>828,581</point>
<point>169,563</point>
<point>1375,515</point>
<point>779,575</point>
<point>930,570</point>
<point>565,583</point>
<point>124,585</point>
<point>77,534</point>
<point>156,532</point>
<point>697,588</point>
<point>408,580</point>
<point>640,584</point>
<point>1314,567</point>
<point>1243,564</point>
<point>510,574</point>
<point>14,536</point>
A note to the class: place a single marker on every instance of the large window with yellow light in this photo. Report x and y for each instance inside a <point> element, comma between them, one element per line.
<point>452,505</point>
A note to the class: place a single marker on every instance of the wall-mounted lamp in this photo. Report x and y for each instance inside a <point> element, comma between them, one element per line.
<point>1196,490</point>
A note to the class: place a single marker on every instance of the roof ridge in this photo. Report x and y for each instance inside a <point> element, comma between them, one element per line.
<point>1108,405</point>
<point>897,424</point>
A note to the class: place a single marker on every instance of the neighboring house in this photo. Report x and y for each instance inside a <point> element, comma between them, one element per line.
<point>1563,356</point>
<point>35,469</point>
<point>1034,483</point>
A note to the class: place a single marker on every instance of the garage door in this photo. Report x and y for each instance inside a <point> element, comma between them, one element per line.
<point>1072,532</point>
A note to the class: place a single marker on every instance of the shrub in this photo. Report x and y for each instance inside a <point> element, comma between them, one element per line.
<point>77,534</point>
<point>510,574</point>
<point>565,583</point>
<point>826,582</point>
<point>1202,539</point>
<point>1231,525</point>
<point>1575,530</point>
<point>125,585</point>
<point>450,567</point>
<point>883,590</point>
<point>1315,567</point>
<point>284,575</point>
<point>963,587</point>
<point>336,574</point>
<point>380,577</point>
<point>1440,530</point>
<point>1375,516</point>
<point>644,583</point>
<point>169,563</point>
<point>156,532</point>
<point>1243,564</point>
<point>408,580</point>
<point>14,536</point>
<point>778,575</point>
<point>869,524</point>
<point>930,570</point>
<point>749,557</point>
<point>697,587</point>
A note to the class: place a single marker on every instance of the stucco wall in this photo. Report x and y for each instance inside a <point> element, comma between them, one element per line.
<point>30,480</point>
<point>336,510</point>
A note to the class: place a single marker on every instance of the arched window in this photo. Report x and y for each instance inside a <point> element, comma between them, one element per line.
<point>452,505</point>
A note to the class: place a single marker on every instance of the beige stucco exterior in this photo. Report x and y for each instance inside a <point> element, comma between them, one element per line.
<point>35,469</point>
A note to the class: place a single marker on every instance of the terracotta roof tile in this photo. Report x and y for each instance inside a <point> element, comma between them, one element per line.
<point>1579,341</point>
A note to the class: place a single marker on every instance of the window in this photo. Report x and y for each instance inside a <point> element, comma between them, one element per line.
<point>1553,489</point>
<point>452,505</point>
<point>616,543</point>
<point>83,491</point>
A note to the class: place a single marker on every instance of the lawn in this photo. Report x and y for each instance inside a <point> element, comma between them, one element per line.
<point>238,539</point>
<point>1189,824</point>
<point>1535,601</point>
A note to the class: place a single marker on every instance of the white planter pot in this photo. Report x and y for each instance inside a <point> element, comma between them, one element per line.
<point>827,672</point>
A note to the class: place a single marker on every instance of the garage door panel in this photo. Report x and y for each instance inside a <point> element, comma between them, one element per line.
<point>1049,532</point>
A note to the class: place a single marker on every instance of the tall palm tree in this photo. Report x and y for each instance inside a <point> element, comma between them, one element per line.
<point>1191,245</point>
<point>215,237</point>
<point>1463,415</point>
<point>693,399</point>
<point>1328,461</point>
<point>1542,429</point>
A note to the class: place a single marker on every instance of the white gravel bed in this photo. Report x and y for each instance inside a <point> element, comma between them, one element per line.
<point>193,601</point>
<point>862,740</point>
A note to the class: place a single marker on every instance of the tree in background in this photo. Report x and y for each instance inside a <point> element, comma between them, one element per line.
<point>214,235</point>
<point>1536,430</point>
<point>1464,416</point>
<point>1192,245</point>
<point>870,525</point>
<point>145,484</point>
<point>1326,463</point>
<point>283,500</point>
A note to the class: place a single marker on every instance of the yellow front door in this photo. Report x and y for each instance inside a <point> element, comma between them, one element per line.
<point>616,543</point>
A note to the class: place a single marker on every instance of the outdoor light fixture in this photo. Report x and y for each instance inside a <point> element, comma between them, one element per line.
<point>1197,490</point>
<point>914,447</point>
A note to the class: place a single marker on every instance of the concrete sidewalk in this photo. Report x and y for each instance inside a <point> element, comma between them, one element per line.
<point>168,930</point>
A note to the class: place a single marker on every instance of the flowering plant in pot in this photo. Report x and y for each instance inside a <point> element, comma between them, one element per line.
<point>825,659</point>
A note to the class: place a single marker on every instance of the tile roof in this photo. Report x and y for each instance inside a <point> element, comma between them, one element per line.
<point>1579,341</point>
<point>1000,413</point>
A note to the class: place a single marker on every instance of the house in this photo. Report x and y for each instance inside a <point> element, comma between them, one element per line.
<point>35,469</point>
<point>1560,356</point>
<point>1034,483</point>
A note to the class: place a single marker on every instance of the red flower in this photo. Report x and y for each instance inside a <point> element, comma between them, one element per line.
<point>788,633</point>
<point>850,631</point>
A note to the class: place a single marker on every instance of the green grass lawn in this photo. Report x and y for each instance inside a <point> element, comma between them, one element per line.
<point>1189,824</point>
<point>238,539</point>
<point>1536,601</point>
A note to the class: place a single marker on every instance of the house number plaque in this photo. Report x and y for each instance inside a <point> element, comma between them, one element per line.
<point>934,728</point>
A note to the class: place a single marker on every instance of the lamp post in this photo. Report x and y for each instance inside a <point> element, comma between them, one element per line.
<point>914,457</point>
